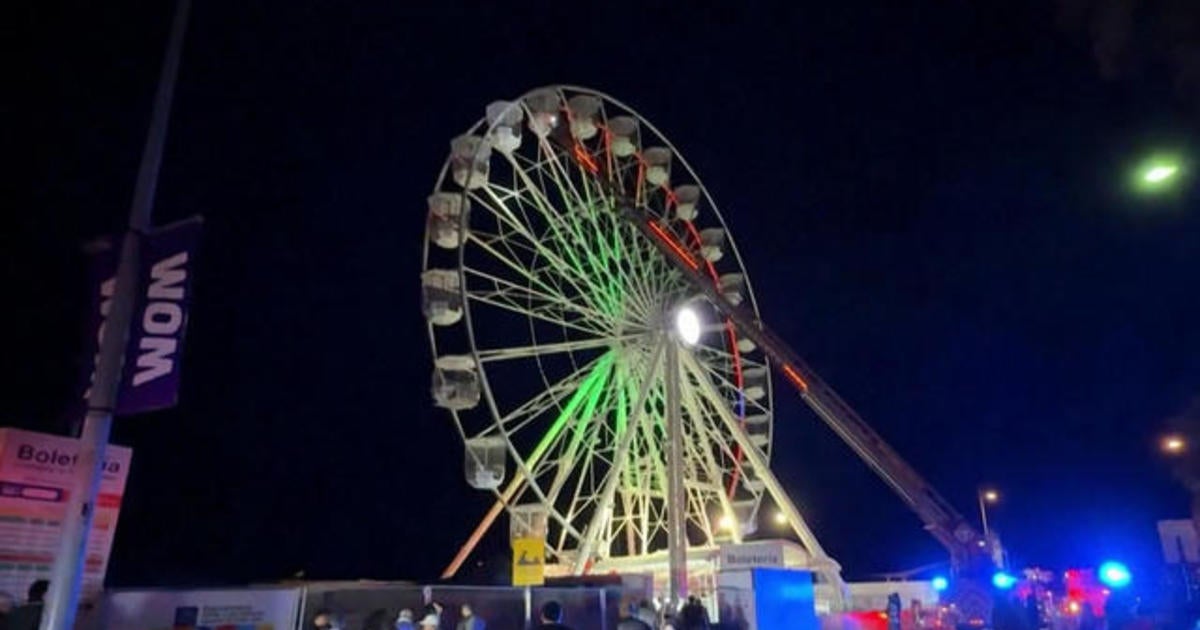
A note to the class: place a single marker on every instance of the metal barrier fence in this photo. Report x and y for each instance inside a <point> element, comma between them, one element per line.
<point>363,606</point>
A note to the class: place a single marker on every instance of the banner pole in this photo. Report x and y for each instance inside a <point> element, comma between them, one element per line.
<point>69,563</point>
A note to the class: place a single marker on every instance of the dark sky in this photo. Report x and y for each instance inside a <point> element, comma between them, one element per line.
<point>930,201</point>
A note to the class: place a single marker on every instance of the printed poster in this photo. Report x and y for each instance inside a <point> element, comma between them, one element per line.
<point>36,478</point>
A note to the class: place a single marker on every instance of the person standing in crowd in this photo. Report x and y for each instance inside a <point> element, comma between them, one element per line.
<point>29,615</point>
<point>693,616</point>
<point>637,617</point>
<point>430,621</point>
<point>468,620</point>
<point>404,621</point>
<point>551,617</point>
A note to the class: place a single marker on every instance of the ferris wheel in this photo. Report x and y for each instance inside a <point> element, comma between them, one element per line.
<point>563,342</point>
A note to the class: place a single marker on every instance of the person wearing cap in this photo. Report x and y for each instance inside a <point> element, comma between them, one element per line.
<point>551,617</point>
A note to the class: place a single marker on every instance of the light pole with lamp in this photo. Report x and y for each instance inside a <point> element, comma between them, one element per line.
<point>986,497</point>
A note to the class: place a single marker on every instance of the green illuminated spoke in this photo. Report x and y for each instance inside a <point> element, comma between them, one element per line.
<point>569,272</point>
<point>569,244</point>
<point>548,400</point>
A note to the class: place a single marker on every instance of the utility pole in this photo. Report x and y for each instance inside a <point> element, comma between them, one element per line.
<point>67,577</point>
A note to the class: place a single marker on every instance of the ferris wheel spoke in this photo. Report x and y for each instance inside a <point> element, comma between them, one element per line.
<point>610,480</point>
<point>600,210</point>
<point>552,216</point>
<point>653,458</point>
<point>575,386</point>
<point>698,509</point>
<point>507,288</point>
<point>507,218</point>
<point>559,226</point>
<point>526,465</point>
<point>571,271</point>
<point>554,166</point>
<point>708,437</point>
<point>651,260</point>
<point>565,229</point>
<point>583,437</point>
<point>524,352</point>
<point>585,206</point>
<point>549,287</point>
<point>551,296</point>
<point>538,315</point>
<point>579,385</point>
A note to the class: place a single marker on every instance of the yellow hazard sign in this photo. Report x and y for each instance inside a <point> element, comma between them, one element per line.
<point>528,564</point>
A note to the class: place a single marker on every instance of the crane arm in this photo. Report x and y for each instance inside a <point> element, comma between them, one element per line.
<point>939,517</point>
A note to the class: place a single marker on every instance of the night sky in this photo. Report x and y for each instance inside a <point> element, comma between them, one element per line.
<point>931,202</point>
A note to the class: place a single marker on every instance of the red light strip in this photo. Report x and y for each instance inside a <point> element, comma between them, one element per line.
<point>795,378</point>
<point>608,154</point>
<point>675,247</point>
<point>585,160</point>
<point>739,379</point>
<point>740,382</point>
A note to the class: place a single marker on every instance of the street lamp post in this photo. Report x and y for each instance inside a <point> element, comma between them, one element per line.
<point>66,578</point>
<point>986,497</point>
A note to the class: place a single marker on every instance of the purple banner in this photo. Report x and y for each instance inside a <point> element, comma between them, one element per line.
<point>150,378</point>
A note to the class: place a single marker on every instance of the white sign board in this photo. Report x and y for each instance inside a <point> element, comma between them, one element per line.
<point>240,609</point>
<point>752,555</point>
<point>36,477</point>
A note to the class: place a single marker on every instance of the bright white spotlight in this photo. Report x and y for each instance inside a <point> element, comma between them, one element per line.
<point>1159,174</point>
<point>687,324</point>
<point>725,522</point>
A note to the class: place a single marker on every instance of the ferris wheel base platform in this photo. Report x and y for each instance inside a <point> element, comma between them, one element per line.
<point>710,565</point>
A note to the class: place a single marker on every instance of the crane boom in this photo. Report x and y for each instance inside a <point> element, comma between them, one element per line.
<point>939,517</point>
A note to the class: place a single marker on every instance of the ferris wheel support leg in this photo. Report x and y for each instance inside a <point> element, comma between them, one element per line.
<point>676,495</point>
<point>483,526</point>
<point>821,563</point>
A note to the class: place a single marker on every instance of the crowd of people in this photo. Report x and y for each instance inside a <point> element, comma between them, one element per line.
<point>638,616</point>
<point>430,618</point>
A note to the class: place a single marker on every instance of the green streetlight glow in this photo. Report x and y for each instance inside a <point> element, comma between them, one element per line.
<point>1159,174</point>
